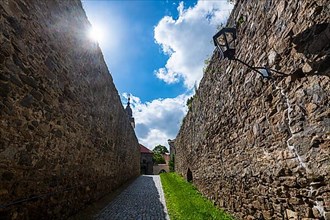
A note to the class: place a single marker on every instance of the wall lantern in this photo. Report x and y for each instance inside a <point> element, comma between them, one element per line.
<point>225,41</point>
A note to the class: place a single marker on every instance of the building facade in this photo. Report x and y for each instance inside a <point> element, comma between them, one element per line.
<point>146,160</point>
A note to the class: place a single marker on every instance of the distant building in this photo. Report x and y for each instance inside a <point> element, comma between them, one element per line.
<point>129,112</point>
<point>163,168</point>
<point>146,162</point>
<point>167,158</point>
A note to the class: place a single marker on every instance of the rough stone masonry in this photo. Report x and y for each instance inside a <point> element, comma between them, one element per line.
<point>64,137</point>
<point>261,148</point>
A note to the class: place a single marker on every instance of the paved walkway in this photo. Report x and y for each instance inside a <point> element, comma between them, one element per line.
<point>142,200</point>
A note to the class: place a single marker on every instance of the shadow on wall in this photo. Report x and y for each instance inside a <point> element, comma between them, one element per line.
<point>135,202</point>
<point>315,40</point>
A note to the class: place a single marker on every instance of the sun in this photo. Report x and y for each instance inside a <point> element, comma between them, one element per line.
<point>96,33</point>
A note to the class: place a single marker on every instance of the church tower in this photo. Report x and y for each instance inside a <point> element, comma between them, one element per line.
<point>129,112</point>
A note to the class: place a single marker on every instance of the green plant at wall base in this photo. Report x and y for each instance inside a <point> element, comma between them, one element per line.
<point>184,202</point>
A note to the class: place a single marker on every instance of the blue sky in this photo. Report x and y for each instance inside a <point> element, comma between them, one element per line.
<point>155,50</point>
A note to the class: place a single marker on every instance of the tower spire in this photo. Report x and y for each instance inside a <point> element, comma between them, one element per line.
<point>129,111</point>
<point>128,99</point>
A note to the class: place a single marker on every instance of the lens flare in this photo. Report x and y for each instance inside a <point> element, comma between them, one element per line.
<point>97,34</point>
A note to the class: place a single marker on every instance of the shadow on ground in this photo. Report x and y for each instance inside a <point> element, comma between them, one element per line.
<point>141,200</point>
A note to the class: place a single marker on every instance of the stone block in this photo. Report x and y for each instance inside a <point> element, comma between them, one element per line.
<point>29,80</point>
<point>4,89</point>
<point>316,213</point>
<point>27,101</point>
<point>291,214</point>
<point>327,215</point>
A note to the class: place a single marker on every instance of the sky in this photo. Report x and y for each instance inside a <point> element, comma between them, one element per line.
<point>155,51</point>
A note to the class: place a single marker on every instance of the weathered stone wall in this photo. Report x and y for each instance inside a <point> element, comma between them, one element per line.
<point>261,148</point>
<point>64,137</point>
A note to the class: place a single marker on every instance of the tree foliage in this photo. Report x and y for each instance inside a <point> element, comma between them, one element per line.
<point>158,151</point>
<point>158,159</point>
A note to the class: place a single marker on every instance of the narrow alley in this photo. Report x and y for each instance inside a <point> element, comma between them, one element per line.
<point>142,200</point>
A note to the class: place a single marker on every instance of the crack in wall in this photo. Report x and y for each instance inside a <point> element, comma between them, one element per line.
<point>318,204</point>
<point>293,135</point>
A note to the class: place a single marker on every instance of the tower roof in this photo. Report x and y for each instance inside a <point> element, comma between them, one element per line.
<point>129,112</point>
<point>128,108</point>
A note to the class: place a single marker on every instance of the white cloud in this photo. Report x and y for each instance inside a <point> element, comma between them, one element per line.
<point>158,120</point>
<point>171,77</point>
<point>187,40</point>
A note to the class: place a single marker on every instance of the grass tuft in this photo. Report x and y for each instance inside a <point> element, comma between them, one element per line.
<point>184,202</point>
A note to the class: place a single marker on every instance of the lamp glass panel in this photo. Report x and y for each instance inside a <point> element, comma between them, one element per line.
<point>229,36</point>
<point>232,45</point>
<point>264,72</point>
<point>223,48</point>
<point>221,40</point>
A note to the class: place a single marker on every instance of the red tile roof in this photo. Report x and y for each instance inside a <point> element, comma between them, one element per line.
<point>145,150</point>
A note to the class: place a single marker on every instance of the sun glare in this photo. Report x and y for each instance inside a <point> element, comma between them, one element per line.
<point>102,34</point>
<point>96,34</point>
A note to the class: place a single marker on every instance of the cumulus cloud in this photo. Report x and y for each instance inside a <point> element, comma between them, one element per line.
<point>158,120</point>
<point>187,40</point>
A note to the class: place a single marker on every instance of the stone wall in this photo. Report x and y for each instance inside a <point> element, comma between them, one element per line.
<point>159,168</point>
<point>260,148</point>
<point>65,139</point>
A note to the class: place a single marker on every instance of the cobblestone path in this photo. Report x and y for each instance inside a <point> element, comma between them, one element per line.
<point>142,200</point>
